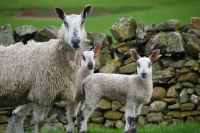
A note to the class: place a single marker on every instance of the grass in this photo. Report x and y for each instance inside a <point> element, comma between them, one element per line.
<point>105,13</point>
<point>176,128</point>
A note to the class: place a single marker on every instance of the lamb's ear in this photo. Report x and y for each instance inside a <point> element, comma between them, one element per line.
<point>154,55</point>
<point>60,13</point>
<point>97,48</point>
<point>134,54</point>
<point>86,11</point>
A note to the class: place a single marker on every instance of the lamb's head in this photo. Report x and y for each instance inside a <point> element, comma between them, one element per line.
<point>144,68</point>
<point>74,30</point>
<point>88,57</point>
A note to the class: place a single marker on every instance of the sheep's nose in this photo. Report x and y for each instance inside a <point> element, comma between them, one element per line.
<point>90,66</point>
<point>75,42</point>
<point>143,75</point>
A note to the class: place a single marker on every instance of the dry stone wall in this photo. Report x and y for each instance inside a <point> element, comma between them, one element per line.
<point>176,94</point>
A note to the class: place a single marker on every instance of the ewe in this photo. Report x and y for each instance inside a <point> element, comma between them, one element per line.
<point>86,69</point>
<point>133,89</point>
<point>42,73</point>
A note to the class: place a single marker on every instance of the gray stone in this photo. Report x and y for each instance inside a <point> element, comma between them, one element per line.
<point>174,114</point>
<point>190,91</point>
<point>95,125</point>
<point>104,56</point>
<point>46,33</point>
<point>180,64</point>
<point>174,106</point>
<point>122,109</point>
<point>193,44</point>
<point>104,104</point>
<point>116,105</point>
<point>159,93</point>
<point>24,33</point>
<point>124,29</point>
<point>193,64</point>
<point>101,37</point>
<point>143,31</point>
<point>6,37</point>
<point>177,121</point>
<point>158,106</point>
<point>172,92</point>
<point>98,120</point>
<point>128,69</point>
<point>191,120</point>
<point>119,124</point>
<point>189,77</point>
<point>167,42</point>
<point>188,113</point>
<point>96,114</point>
<point>168,62</point>
<point>113,115</point>
<point>109,123</point>
<point>142,120</point>
<point>186,70</point>
<point>195,99</point>
<point>171,24</point>
<point>186,84</point>
<point>145,110</point>
<point>163,76</point>
<point>110,67</point>
<point>184,97</point>
<point>197,90</point>
<point>195,32</point>
<point>154,117</point>
<point>187,106</point>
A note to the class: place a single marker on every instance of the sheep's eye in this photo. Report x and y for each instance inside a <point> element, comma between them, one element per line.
<point>82,22</point>
<point>66,24</point>
<point>83,57</point>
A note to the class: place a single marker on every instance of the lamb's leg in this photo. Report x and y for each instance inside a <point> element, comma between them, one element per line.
<point>39,115</point>
<point>131,119</point>
<point>16,122</point>
<point>85,112</point>
<point>72,109</point>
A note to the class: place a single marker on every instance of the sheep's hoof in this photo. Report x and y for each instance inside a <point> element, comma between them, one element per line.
<point>131,131</point>
<point>74,118</point>
<point>69,132</point>
<point>83,132</point>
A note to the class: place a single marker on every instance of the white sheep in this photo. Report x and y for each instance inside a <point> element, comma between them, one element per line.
<point>133,89</point>
<point>41,73</point>
<point>86,69</point>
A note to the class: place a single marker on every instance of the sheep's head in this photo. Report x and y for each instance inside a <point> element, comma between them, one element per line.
<point>88,57</point>
<point>144,68</point>
<point>74,30</point>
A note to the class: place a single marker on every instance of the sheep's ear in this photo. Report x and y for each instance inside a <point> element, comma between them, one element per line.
<point>154,55</point>
<point>60,13</point>
<point>97,48</point>
<point>134,54</point>
<point>86,11</point>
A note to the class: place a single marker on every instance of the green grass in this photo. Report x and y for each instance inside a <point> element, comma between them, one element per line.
<point>105,13</point>
<point>176,128</point>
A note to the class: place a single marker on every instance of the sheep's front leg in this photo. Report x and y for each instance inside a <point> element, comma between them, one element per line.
<point>72,109</point>
<point>16,122</point>
<point>132,115</point>
<point>39,113</point>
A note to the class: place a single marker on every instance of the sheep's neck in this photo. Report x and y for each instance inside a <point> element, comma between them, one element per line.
<point>72,54</point>
<point>148,81</point>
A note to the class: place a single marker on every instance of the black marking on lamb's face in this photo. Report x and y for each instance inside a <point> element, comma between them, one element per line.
<point>90,65</point>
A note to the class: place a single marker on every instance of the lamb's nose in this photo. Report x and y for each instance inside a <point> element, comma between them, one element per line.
<point>90,66</point>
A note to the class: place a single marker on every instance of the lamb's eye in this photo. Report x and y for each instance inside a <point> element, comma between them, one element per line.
<point>66,24</point>
<point>138,65</point>
<point>149,65</point>
<point>83,57</point>
<point>82,22</point>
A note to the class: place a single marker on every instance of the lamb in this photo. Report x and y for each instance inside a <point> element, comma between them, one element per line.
<point>133,89</point>
<point>41,73</point>
<point>86,69</point>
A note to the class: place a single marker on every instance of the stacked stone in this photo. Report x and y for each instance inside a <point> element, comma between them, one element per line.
<point>176,94</point>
